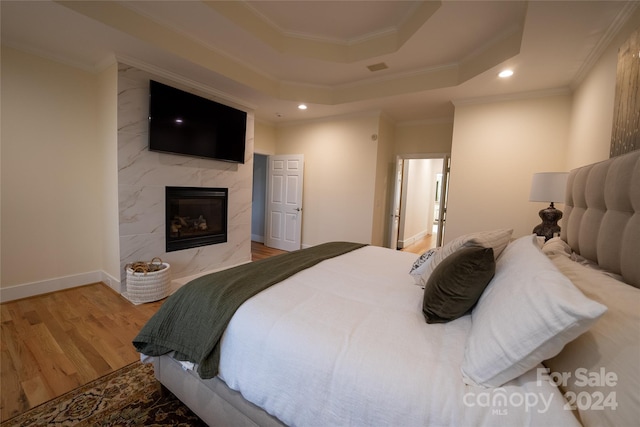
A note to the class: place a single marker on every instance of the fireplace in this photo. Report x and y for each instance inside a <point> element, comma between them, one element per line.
<point>195,217</point>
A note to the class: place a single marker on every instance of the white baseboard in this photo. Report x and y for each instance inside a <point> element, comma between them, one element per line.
<point>12,293</point>
<point>26,290</point>
<point>112,282</point>
<point>411,240</point>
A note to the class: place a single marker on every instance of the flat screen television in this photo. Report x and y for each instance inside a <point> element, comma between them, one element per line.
<point>187,124</point>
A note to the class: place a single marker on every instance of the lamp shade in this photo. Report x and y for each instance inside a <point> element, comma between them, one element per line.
<point>548,187</point>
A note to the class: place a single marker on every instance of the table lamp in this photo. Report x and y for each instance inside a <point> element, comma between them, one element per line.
<point>548,187</point>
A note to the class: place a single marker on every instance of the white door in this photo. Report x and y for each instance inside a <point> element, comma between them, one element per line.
<point>395,209</point>
<point>283,219</point>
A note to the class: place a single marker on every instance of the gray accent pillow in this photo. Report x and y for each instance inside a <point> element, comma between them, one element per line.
<point>496,239</point>
<point>456,283</point>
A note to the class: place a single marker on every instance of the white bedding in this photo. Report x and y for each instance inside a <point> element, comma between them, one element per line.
<point>370,359</point>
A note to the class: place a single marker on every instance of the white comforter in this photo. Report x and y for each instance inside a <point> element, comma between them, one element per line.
<point>345,344</point>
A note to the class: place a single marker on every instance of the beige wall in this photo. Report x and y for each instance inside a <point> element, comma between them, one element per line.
<point>592,113</point>
<point>592,116</point>
<point>339,176</point>
<point>51,184</point>
<point>108,138</point>
<point>497,147</point>
<point>385,165</point>
<point>265,138</point>
<point>424,137</point>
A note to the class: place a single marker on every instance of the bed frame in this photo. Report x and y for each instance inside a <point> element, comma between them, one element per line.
<point>602,223</point>
<point>211,399</point>
<point>602,214</point>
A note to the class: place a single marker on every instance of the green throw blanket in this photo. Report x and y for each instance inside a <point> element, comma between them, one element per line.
<point>191,322</point>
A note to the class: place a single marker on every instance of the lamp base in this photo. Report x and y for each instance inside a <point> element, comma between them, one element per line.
<point>549,226</point>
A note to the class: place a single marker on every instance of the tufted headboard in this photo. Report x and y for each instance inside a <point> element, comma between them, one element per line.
<point>602,214</point>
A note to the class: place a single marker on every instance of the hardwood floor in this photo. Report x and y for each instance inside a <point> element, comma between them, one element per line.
<point>422,245</point>
<point>54,343</point>
<point>260,251</point>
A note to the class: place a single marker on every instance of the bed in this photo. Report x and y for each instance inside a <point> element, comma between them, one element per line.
<point>491,329</point>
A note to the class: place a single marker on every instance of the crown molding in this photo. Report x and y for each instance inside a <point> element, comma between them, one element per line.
<point>129,21</point>
<point>169,75</point>
<point>512,97</point>
<point>426,122</point>
<point>364,47</point>
<point>333,118</point>
<point>52,57</point>
<point>618,23</point>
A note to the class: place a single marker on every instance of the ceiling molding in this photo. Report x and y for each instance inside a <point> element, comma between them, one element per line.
<point>344,51</point>
<point>226,98</point>
<point>621,19</point>
<point>562,43</point>
<point>60,59</point>
<point>331,118</point>
<point>136,25</point>
<point>512,97</point>
<point>498,50</point>
<point>156,34</point>
<point>426,122</point>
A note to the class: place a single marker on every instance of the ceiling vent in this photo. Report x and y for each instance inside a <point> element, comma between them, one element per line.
<point>377,67</point>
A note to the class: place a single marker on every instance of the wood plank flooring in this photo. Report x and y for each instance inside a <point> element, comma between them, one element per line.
<point>422,245</point>
<point>260,251</point>
<point>54,343</point>
<point>51,344</point>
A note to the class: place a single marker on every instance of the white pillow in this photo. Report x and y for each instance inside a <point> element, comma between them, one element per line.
<point>527,313</point>
<point>420,265</point>
<point>495,239</point>
<point>556,245</point>
<point>612,345</point>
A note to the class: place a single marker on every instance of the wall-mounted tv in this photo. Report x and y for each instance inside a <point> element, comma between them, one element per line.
<point>187,124</point>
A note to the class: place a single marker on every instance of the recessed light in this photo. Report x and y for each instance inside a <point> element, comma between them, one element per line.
<point>505,73</point>
<point>302,107</point>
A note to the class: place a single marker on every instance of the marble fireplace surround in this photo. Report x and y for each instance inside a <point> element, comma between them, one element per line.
<point>143,176</point>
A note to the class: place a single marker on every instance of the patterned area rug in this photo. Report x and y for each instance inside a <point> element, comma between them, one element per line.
<point>130,396</point>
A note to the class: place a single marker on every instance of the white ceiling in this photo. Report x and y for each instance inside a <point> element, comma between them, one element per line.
<point>271,55</point>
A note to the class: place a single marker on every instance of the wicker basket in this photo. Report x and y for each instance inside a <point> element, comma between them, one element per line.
<point>147,284</point>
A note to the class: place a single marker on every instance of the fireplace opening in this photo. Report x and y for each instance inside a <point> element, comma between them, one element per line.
<point>195,216</point>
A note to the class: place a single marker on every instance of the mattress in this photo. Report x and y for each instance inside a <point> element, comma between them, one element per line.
<point>370,358</point>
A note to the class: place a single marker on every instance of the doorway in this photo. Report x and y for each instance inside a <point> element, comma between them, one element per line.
<point>258,197</point>
<point>276,213</point>
<point>419,202</point>
<point>285,182</point>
